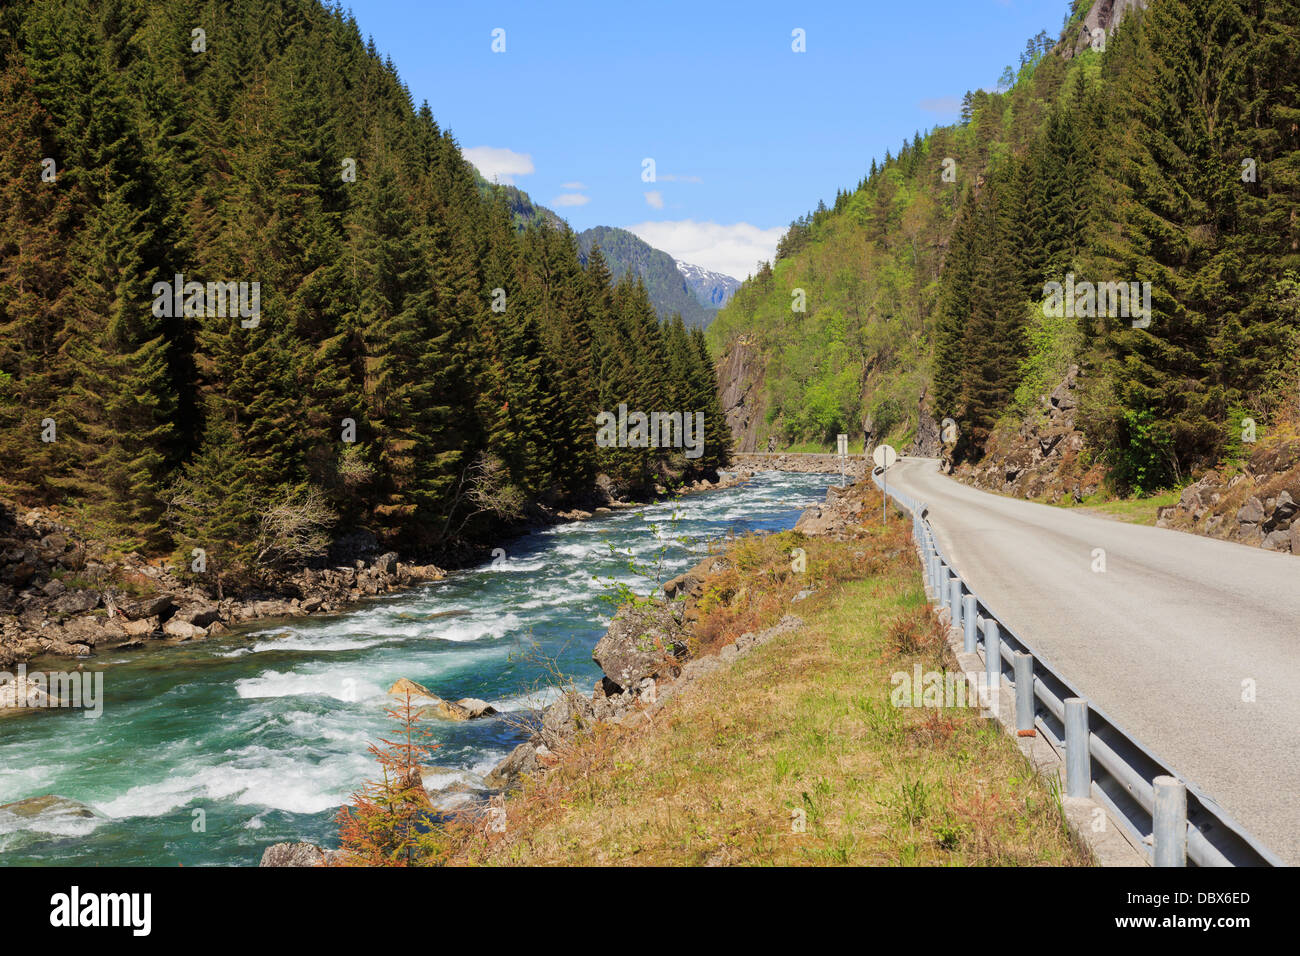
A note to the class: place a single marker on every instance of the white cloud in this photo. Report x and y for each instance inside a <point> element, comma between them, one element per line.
<point>670,178</point>
<point>654,199</point>
<point>498,164</point>
<point>572,186</point>
<point>734,250</point>
<point>571,199</point>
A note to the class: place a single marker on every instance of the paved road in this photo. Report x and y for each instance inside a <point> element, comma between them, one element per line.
<point>1162,640</point>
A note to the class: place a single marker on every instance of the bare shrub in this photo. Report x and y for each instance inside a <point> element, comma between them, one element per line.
<point>294,527</point>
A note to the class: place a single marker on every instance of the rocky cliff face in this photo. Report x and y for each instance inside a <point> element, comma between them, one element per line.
<point>1105,15</point>
<point>927,443</point>
<point>1042,459</point>
<point>740,386</point>
<point>1258,505</point>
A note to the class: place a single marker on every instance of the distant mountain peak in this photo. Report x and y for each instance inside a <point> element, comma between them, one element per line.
<point>713,289</point>
<point>671,290</point>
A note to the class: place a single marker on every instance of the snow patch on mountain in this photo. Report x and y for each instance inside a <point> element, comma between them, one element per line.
<point>713,289</point>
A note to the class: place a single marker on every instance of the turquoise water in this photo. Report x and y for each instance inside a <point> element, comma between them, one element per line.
<point>206,754</point>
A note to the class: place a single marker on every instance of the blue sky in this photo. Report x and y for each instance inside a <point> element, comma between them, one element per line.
<point>746,134</point>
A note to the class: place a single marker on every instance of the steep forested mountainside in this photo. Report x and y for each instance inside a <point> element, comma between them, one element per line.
<point>244,281</point>
<point>628,255</point>
<point>1154,160</point>
<point>523,210</point>
<point>674,288</point>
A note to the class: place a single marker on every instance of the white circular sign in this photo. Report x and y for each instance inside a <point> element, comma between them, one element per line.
<point>884,455</point>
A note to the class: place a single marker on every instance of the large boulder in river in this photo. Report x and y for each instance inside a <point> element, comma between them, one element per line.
<point>643,640</point>
<point>430,704</point>
<point>475,707</point>
<point>48,809</point>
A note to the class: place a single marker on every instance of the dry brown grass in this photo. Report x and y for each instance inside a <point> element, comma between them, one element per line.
<point>800,732</point>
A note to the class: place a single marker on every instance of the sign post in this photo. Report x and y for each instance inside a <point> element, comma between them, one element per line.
<point>842,444</point>
<point>884,456</point>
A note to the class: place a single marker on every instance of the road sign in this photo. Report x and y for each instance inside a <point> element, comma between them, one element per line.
<point>842,443</point>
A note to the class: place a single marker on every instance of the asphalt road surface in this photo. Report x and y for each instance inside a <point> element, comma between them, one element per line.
<point>1164,640</point>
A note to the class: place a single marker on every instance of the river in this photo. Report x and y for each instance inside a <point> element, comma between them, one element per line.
<point>207,753</point>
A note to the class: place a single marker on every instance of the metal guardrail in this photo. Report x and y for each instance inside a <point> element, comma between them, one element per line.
<point>1171,820</point>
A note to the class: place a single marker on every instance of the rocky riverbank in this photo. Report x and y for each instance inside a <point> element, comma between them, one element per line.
<point>62,595</point>
<point>646,657</point>
<point>650,653</point>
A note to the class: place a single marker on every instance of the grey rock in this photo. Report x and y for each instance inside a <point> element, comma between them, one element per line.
<point>49,808</point>
<point>200,615</point>
<point>1277,541</point>
<point>522,760</point>
<point>64,649</point>
<point>1252,512</point>
<point>85,630</point>
<point>76,602</point>
<point>568,716</point>
<point>293,854</point>
<point>642,641</point>
<point>160,607</point>
<point>55,543</point>
<point>476,707</point>
<point>183,630</point>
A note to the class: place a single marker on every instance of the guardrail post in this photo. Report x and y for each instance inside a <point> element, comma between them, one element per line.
<point>1078,760</point>
<point>992,655</point>
<point>970,618</point>
<point>1169,821</point>
<point>1024,677</point>
<point>954,601</point>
